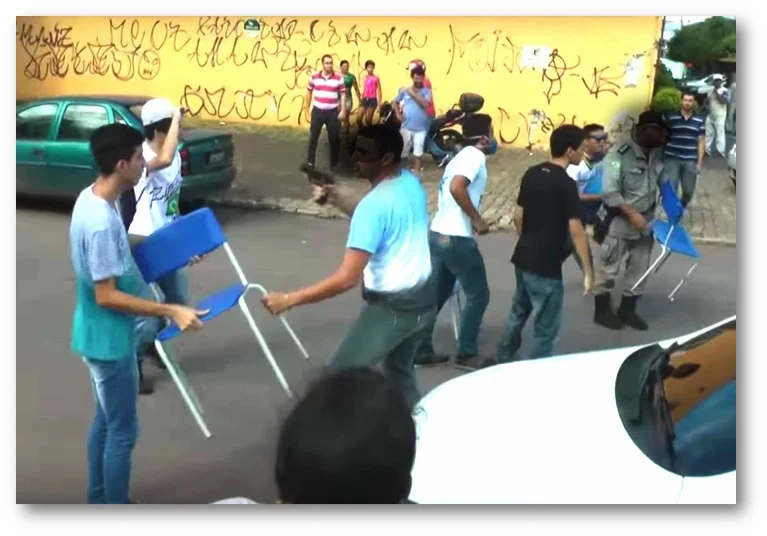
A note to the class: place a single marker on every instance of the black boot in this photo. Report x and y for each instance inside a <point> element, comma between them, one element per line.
<point>603,313</point>
<point>627,313</point>
<point>145,385</point>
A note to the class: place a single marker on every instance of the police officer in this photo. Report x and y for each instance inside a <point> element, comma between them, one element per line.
<point>632,174</point>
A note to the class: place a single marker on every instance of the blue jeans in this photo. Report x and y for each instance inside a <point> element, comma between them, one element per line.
<point>114,430</point>
<point>175,289</point>
<point>541,297</point>
<point>458,258</point>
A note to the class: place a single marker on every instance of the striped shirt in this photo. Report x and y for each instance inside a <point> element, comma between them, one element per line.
<point>327,90</point>
<point>683,142</point>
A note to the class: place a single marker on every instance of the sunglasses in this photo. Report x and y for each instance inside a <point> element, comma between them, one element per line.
<point>602,137</point>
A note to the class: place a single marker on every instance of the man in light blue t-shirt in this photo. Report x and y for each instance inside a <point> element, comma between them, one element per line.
<point>414,116</point>
<point>109,289</point>
<point>388,249</point>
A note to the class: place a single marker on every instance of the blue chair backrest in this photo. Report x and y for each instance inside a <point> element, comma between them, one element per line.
<point>672,206</point>
<point>170,248</point>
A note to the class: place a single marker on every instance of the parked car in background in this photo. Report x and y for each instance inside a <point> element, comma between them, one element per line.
<point>731,163</point>
<point>53,158</point>
<point>650,424</point>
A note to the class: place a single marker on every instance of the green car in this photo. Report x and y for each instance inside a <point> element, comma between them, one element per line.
<point>53,158</point>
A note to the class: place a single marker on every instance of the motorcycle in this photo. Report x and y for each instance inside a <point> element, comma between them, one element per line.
<point>442,141</point>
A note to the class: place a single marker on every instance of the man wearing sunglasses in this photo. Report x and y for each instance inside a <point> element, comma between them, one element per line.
<point>594,148</point>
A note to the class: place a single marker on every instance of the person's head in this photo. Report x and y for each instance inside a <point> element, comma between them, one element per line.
<point>417,74</point>
<point>688,100</point>
<point>478,131</point>
<point>344,66</point>
<point>416,63</point>
<point>370,66</point>
<point>116,148</point>
<point>651,131</point>
<point>327,63</point>
<point>350,440</point>
<point>717,81</point>
<point>377,150</point>
<point>156,116</point>
<point>566,142</point>
<point>595,141</point>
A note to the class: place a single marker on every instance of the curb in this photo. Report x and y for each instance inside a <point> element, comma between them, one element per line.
<point>306,207</point>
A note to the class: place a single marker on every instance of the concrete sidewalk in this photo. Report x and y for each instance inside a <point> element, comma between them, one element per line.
<point>268,158</point>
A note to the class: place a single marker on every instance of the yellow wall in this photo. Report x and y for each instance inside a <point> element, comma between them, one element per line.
<point>208,65</point>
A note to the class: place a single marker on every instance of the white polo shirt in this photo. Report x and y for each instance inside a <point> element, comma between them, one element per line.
<point>450,218</point>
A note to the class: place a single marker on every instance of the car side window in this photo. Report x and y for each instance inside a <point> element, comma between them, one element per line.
<point>35,123</point>
<point>80,120</point>
<point>120,119</point>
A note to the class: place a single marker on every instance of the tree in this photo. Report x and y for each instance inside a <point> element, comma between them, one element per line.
<point>703,43</point>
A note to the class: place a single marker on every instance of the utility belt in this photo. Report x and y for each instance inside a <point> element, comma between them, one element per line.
<point>604,217</point>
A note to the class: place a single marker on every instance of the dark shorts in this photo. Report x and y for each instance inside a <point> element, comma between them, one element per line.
<point>369,103</point>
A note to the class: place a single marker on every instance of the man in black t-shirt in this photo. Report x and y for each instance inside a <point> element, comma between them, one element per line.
<point>547,214</point>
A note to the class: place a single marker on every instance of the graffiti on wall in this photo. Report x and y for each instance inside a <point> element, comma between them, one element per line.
<point>216,69</point>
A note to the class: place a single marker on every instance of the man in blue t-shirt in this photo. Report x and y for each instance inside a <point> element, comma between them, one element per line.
<point>411,105</point>
<point>388,250</point>
<point>110,293</point>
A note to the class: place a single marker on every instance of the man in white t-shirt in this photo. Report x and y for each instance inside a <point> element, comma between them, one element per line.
<point>454,250</point>
<point>717,102</point>
<point>156,205</point>
<point>594,148</point>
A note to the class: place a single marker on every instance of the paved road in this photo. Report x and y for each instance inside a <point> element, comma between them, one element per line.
<point>243,403</point>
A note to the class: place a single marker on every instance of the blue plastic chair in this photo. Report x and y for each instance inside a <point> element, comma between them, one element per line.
<point>169,249</point>
<point>671,235</point>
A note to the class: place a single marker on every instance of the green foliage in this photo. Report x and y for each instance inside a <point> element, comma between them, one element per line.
<point>667,99</point>
<point>663,78</point>
<point>703,43</point>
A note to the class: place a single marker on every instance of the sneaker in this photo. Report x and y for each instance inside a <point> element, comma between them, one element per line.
<point>432,361</point>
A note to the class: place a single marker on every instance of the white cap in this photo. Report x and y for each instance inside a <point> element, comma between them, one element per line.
<point>156,110</point>
<point>718,77</point>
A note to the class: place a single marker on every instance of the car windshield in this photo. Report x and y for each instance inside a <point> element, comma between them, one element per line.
<point>678,404</point>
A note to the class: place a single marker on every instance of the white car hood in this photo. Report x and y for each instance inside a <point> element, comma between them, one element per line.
<point>544,431</point>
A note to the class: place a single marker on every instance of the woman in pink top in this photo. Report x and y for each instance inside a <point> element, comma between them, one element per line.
<point>371,94</point>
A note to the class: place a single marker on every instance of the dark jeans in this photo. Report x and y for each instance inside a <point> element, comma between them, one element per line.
<point>328,118</point>
<point>383,334</point>
<point>458,258</point>
<point>541,297</point>
<point>114,430</point>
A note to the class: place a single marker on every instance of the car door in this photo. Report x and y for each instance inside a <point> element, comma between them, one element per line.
<point>34,126</point>
<point>70,163</point>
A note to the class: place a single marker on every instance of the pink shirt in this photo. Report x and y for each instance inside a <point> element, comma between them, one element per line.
<point>371,87</point>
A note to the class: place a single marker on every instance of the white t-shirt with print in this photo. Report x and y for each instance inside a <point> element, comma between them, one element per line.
<point>450,218</point>
<point>157,194</point>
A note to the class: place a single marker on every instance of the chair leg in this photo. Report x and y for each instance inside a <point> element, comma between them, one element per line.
<point>284,321</point>
<point>655,266</point>
<point>682,282</point>
<point>264,346</point>
<point>179,378</point>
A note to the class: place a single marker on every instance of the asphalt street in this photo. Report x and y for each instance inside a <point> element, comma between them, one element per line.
<point>243,402</point>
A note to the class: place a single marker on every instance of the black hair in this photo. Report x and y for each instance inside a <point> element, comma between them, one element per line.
<point>688,93</point>
<point>564,138</point>
<point>163,125</point>
<point>112,143</point>
<point>387,138</point>
<point>591,128</point>
<point>326,56</point>
<point>370,62</point>
<point>476,125</point>
<point>343,62</point>
<point>350,440</point>
<point>418,69</point>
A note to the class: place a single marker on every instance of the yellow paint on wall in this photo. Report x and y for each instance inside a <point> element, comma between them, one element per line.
<point>594,69</point>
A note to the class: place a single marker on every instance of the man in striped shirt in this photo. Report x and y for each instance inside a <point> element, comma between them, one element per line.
<point>686,147</point>
<point>327,88</point>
